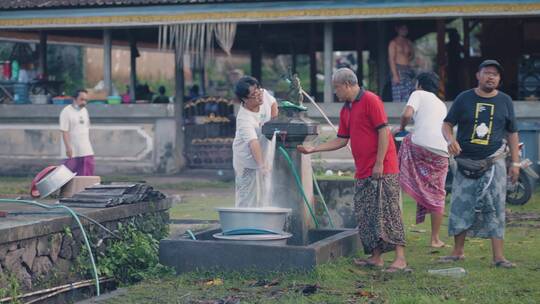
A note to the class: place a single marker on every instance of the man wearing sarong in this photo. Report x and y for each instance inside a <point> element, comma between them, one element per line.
<point>423,154</point>
<point>376,199</point>
<point>400,55</point>
<point>484,117</point>
<point>75,128</point>
<point>257,107</point>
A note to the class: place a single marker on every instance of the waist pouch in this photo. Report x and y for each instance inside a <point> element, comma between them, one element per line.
<point>474,169</point>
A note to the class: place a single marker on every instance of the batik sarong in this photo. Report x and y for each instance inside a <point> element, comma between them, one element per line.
<point>422,175</point>
<point>376,203</point>
<point>478,205</point>
<point>83,166</point>
<point>402,90</point>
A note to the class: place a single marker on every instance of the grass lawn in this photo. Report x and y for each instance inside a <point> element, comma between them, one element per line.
<point>341,282</point>
<point>201,207</point>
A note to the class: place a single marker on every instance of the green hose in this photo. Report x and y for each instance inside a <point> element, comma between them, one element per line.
<point>70,211</point>
<point>299,184</point>
<point>322,200</point>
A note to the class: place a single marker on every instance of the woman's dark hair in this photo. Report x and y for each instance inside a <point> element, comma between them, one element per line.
<point>242,87</point>
<point>429,81</point>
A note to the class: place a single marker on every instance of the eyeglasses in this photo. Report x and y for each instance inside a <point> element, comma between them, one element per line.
<point>255,94</point>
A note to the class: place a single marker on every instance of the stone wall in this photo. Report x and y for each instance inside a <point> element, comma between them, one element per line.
<point>53,258</point>
<point>338,195</point>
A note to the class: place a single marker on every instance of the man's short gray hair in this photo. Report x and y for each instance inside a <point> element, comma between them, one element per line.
<point>345,76</point>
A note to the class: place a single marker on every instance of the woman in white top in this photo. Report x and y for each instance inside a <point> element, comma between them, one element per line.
<point>257,107</point>
<point>423,154</point>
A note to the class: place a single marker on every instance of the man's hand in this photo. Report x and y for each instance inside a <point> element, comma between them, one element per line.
<point>69,152</point>
<point>377,170</point>
<point>514,174</point>
<point>305,149</point>
<point>395,79</point>
<point>454,148</point>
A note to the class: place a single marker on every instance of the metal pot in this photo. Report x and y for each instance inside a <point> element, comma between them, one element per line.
<point>270,219</point>
<point>54,181</point>
<point>257,239</point>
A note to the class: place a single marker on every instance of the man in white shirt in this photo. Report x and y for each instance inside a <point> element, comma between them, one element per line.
<point>423,155</point>
<point>257,107</point>
<point>75,128</point>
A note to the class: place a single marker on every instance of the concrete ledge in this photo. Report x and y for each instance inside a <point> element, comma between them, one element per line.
<point>24,112</point>
<point>25,227</point>
<point>203,254</point>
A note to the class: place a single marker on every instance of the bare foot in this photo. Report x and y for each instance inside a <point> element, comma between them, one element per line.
<point>399,263</point>
<point>369,262</point>
<point>437,244</point>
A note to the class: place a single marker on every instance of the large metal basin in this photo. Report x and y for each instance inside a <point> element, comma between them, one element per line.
<point>54,181</point>
<point>260,239</point>
<point>269,219</point>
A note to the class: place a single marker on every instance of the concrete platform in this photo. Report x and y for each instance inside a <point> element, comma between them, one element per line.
<point>205,253</point>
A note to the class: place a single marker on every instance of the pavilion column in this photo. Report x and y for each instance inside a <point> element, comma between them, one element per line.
<point>107,60</point>
<point>179,109</point>
<point>382,56</point>
<point>42,61</point>
<point>359,44</point>
<point>312,62</point>
<point>256,54</point>
<point>441,56</point>
<point>133,66</point>
<point>328,61</point>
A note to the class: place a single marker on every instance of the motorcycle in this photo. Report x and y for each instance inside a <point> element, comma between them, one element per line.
<point>516,194</point>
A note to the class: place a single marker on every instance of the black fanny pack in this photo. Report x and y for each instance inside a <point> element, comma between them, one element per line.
<point>474,169</point>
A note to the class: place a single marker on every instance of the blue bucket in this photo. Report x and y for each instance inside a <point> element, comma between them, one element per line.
<point>21,93</point>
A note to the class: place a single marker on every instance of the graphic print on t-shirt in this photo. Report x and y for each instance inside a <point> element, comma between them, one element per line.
<point>483,123</point>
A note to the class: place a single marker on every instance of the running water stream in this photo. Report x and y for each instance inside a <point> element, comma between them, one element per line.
<point>266,180</point>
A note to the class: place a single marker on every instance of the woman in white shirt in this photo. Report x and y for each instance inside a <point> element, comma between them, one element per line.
<point>257,107</point>
<point>423,154</point>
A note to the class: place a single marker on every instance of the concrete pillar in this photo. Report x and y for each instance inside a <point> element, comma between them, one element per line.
<point>328,61</point>
<point>42,64</point>
<point>382,56</point>
<point>441,57</point>
<point>107,60</point>
<point>179,110</point>
<point>256,53</point>
<point>133,66</point>
<point>287,195</point>
<point>312,61</point>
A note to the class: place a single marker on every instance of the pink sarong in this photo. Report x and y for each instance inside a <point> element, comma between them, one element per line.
<point>83,166</point>
<point>422,176</point>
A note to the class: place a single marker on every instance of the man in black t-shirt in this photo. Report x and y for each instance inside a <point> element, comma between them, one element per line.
<point>484,117</point>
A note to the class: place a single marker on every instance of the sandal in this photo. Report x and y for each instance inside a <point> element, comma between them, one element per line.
<point>393,269</point>
<point>365,263</point>
<point>504,264</point>
<point>451,258</point>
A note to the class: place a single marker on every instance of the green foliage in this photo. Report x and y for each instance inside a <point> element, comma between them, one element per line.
<point>13,289</point>
<point>134,257</point>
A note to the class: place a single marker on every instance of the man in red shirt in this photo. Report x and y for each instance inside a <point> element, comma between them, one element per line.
<point>376,199</point>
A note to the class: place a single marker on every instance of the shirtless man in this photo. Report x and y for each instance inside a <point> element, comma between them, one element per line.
<point>400,54</point>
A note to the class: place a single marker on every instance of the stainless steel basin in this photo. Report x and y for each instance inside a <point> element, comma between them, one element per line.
<point>269,219</point>
<point>257,239</point>
<point>54,181</point>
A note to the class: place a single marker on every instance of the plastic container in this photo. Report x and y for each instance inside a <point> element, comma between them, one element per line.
<point>21,94</point>
<point>455,272</point>
<point>15,70</point>
<point>6,71</point>
<point>114,100</point>
<point>60,100</point>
